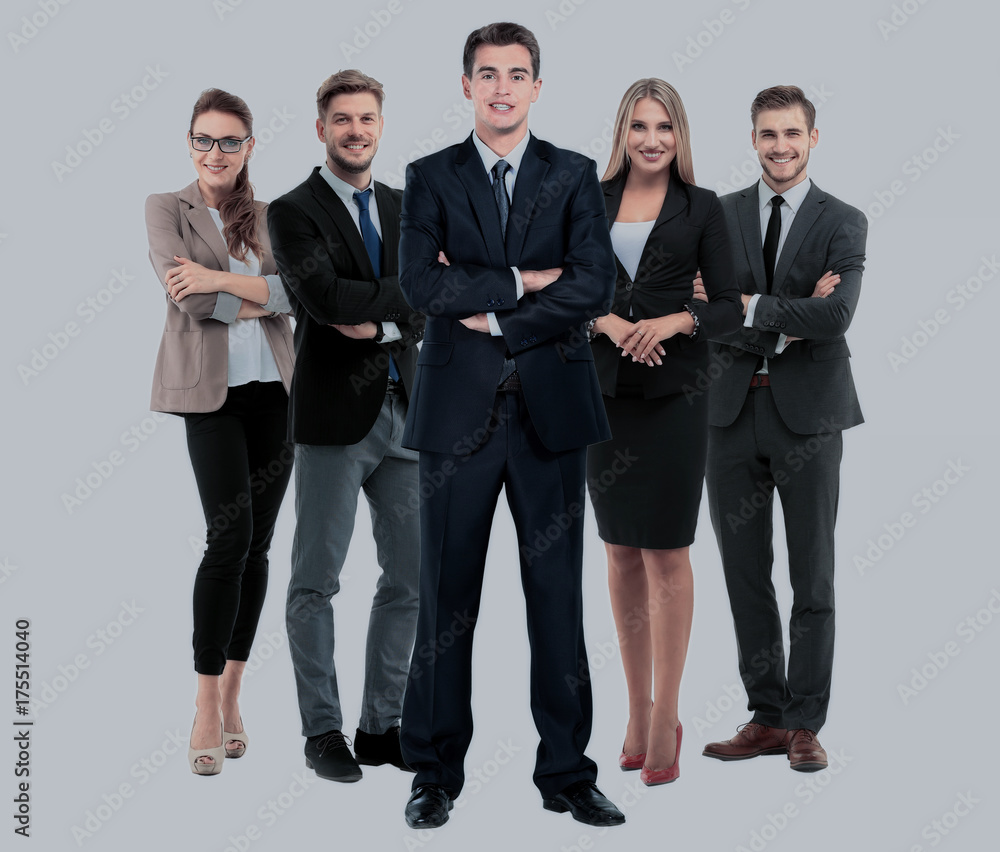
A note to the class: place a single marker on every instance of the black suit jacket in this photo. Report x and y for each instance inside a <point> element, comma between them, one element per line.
<point>556,219</point>
<point>339,383</point>
<point>811,380</point>
<point>690,233</point>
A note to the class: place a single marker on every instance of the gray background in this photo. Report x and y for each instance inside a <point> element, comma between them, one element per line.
<point>884,97</point>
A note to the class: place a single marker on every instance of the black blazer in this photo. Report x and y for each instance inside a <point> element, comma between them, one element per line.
<point>556,219</point>
<point>339,383</point>
<point>690,233</point>
<point>811,380</point>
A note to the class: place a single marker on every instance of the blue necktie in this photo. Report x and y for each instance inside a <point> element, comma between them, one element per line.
<point>373,245</point>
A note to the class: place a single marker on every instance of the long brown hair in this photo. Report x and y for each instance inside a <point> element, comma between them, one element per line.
<point>682,166</point>
<point>238,212</point>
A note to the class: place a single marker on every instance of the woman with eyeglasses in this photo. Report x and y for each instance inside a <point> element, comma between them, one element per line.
<point>225,365</point>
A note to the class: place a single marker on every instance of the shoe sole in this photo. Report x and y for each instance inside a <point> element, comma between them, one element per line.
<point>775,750</point>
<point>346,779</point>
<point>809,767</point>
<point>560,808</point>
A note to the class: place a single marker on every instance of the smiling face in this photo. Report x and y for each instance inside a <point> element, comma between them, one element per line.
<point>351,132</point>
<point>783,141</point>
<point>217,172</point>
<point>501,90</point>
<point>650,142</point>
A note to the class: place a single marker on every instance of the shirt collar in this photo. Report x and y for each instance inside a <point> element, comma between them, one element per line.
<point>792,197</point>
<point>490,158</point>
<point>345,192</point>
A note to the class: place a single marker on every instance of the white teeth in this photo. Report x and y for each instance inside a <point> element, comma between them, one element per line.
<point>501,107</point>
<point>651,156</point>
<point>782,162</point>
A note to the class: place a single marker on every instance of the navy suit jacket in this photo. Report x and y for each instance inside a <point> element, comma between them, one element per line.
<point>557,219</point>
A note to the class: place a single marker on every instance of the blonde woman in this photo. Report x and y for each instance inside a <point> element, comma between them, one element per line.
<point>650,350</point>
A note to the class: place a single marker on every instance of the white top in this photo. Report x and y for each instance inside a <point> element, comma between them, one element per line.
<point>250,357</point>
<point>629,239</point>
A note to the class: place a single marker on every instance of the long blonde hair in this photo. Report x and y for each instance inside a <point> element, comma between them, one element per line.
<point>682,166</point>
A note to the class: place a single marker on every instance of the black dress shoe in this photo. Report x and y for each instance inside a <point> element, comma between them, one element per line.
<point>330,757</point>
<point>428,807</point>
<point>586,803</point>
<point>377,749</point>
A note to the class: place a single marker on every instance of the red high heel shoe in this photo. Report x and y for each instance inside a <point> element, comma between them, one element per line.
<point>653,777</point>
<point>629,762</point>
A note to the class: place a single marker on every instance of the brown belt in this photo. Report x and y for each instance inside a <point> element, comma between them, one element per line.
<point>760,380</point>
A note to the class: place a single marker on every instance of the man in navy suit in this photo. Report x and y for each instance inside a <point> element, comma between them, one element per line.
<point>504,246</point>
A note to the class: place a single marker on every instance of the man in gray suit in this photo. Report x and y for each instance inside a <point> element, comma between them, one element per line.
<point>783,396</point>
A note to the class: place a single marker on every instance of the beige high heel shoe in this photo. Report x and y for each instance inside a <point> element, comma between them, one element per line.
<point>217,755</point>
<point>239,751</point>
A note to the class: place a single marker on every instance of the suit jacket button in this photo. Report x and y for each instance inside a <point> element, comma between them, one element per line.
<point>628,286</point>
<point>524,341</point>
<point>534,339</point>
<point>499,301</point>
<point>489,303</point>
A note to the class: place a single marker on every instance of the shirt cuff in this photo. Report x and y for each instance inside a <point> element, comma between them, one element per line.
<point>277,299</point>
<point>782,342</point>
<point>390,332</point>
<point>491,318</point>
<point>518,283</point>
<point>227,308</point>
<point>751,307</point>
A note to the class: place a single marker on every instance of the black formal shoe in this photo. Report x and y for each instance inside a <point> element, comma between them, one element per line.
<point>428,807</point>
<point>586,803</point>
<point>330,757</point>
<point>377,749</point>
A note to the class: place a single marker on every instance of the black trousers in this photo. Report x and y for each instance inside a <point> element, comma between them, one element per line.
<point>242,465</point>
<point>747,461</point>
<point>545,492</point>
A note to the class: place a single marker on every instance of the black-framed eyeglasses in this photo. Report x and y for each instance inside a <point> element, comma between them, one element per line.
<point>227,146</point>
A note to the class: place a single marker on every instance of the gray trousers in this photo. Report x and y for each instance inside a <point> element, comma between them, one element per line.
<point>747,462</point>
<point>327,482</point>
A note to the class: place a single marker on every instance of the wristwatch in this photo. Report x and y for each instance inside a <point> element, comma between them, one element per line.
<point>379,332</point>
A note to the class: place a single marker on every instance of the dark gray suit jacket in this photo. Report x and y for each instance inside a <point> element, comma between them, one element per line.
<point>811,380</point>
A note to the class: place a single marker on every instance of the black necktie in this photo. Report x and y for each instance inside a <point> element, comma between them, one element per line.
<point>771,239</point>
<point>373,245</point>
<point>500,192</point>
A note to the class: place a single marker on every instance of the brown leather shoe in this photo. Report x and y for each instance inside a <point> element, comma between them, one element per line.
<point>751,739</point>
<point>804,751</point>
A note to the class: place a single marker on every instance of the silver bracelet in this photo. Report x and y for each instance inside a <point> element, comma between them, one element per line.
<point>697,322</point>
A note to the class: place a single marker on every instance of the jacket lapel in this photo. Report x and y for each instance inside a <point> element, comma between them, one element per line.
<point>806,216</point>
<point>341,223</point>
<point>203,225</point>
<point>527,186</point>
<point>469,167</point>
<point>674,203</point>
<point>388,217</point>
<point>748,210</point>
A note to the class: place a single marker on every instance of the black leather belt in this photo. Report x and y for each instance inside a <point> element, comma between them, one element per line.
<point>511,383</point>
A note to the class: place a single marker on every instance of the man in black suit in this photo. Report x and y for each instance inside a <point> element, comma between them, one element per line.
<point>777,412</point>
<point>505,247</point>
<point>335,240</point>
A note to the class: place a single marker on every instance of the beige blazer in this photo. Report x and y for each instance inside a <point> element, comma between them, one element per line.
<point>192,366</point>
